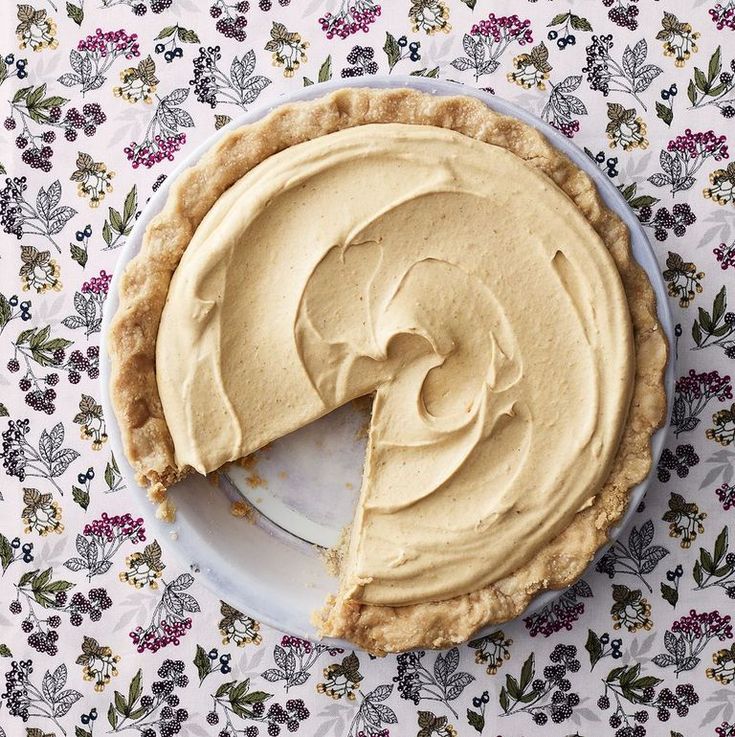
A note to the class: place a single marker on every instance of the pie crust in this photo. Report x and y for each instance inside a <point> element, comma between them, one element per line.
<point>145,283</point>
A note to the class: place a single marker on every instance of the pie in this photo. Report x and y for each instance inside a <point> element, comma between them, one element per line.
<point>447,261</point>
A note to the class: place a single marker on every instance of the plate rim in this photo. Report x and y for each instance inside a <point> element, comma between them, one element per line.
<point>644,255</point>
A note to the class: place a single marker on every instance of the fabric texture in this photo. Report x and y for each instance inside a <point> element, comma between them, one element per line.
<point>101,628</point>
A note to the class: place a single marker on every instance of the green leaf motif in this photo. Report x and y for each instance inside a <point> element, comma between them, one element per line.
<point>715,65</point>
<point>6,552</point>
<point>719,306</point>
<point>431,73</point>
<point>504,700</point>
<point>721,546</point>
<point>559,18</point>
<point>644,200</point>
<point>224,688</point>
<point>514,690</point>
<point>120,704</point>
<point>188,36</point>
<point>5,311</point>
<point>325,70</point>
<point>166,33</point>
<point>579,23</point>
<point>112,716</point>
<point>527,672</point>
<point>202,663</point>
<point>705,320</point>
<point>78,254</point>
<point>697,573</point>
<point>392,50</point>
<point>700,80</point>
<point>692,93</point>
<point>664,112</point>
<point>80,496</point>
<point>130,208</point>
<point>5,651</point>
<point>594,647</point>
<point>696,333</point>
<point>475,720</point>
<point>75,13</point>
<point>21,94</point>
<point>136,689</point>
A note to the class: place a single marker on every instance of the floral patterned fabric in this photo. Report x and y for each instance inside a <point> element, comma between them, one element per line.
<point>101,630</point>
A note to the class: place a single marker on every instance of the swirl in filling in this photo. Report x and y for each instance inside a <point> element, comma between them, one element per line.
<point>459,285</point>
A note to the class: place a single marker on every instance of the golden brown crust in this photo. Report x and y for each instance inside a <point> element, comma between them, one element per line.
<point>145,283</point>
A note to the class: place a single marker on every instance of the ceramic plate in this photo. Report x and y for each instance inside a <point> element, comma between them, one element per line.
<point>305,486</point>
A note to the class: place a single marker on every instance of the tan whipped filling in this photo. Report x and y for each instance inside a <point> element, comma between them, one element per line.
<point>454,281</point>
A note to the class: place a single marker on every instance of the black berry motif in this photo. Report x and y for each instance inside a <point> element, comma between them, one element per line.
<point>683,459</point>
<point>361,60</point>
<point>623,13</point>
<point>550,697</point>
<point>231,18</point>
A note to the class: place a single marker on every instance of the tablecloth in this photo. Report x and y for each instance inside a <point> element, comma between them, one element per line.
<point>102,630</point>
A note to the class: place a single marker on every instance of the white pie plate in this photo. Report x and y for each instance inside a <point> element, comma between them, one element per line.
<point>266,568</point>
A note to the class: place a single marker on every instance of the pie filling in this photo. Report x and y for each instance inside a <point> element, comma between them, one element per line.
<point>457,284</point>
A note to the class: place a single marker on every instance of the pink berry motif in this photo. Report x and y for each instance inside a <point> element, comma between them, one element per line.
<point>725,255</point>
<point>101,540</point>
<point>689,636</point>
<point>353,17</point>
<point>684,157</point>
<point>694,391</point>
<point>726,495</point>
<point>704,625</point>
<point>111,43</point>
<point>97,284</point>
<point>563,107</point>
<point>170,620</point>
<point>154,150</point>
<point>723,15</point>
<point>488,40</point>
<point>560,614</point>
<point>700,145</point>
<point>116,529</point>
<point>88,304</point>
<point>162,139</point>
<point>94,55</point>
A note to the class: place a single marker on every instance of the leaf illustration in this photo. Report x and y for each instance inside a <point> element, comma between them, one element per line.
<point>475,720</point>
<point>392,50</point>
<point>594,647</point>
<point>6,552</point>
